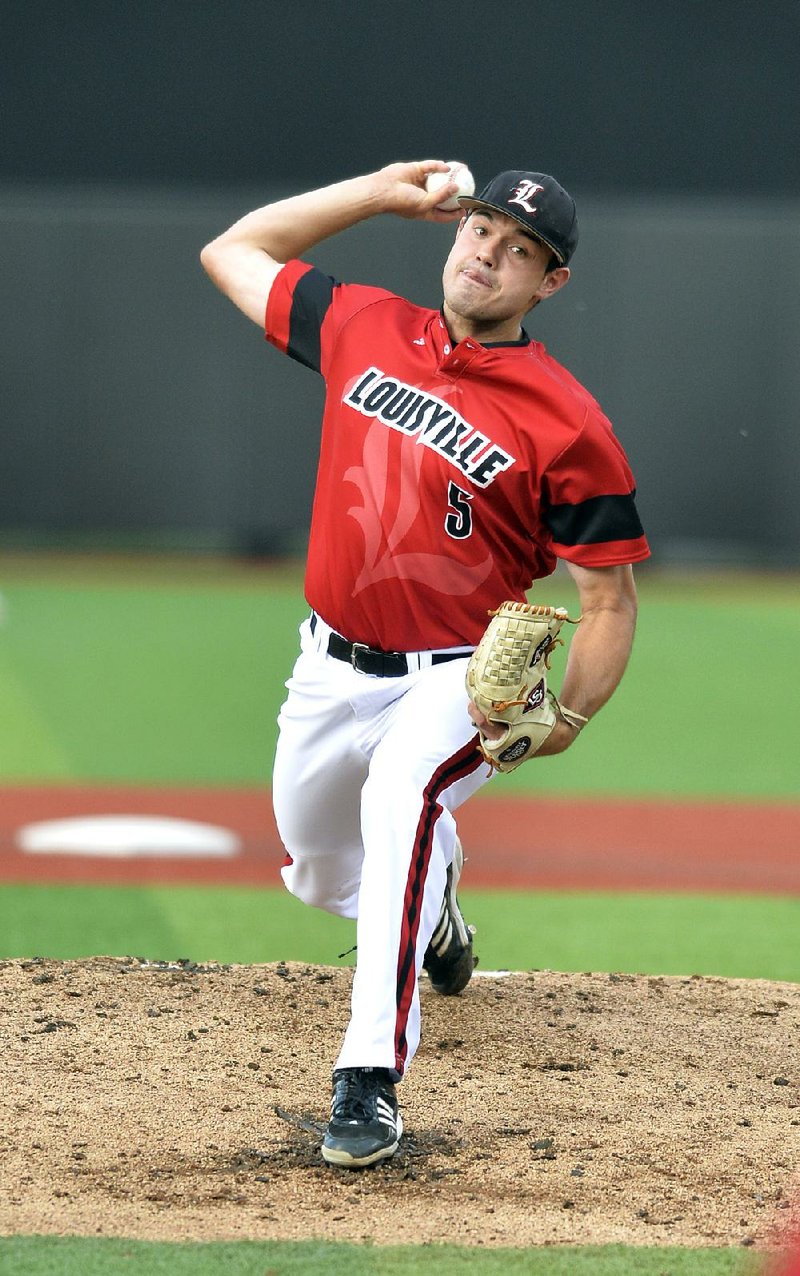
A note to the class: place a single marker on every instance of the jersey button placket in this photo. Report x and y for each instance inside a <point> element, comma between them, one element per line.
<point>459,360</point>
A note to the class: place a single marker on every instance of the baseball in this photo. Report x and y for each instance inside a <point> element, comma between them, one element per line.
<point>458,172</point>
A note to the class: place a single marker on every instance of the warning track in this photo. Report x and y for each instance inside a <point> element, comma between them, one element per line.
<point>513,843</point>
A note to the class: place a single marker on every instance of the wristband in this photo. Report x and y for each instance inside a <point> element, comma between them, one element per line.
<point>573,719</point>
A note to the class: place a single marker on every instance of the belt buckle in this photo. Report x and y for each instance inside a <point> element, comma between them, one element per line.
<point>354,650</point>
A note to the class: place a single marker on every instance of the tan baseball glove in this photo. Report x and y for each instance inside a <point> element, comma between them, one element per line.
<point>507,680</point>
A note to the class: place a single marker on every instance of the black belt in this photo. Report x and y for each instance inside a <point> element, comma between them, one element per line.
<point>380,664</point>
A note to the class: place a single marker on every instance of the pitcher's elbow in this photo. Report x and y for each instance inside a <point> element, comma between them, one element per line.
<point>207,257</point>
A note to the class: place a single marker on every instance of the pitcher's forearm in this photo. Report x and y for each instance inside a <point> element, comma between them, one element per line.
<point>245,260</point>
<point>598,655</point>
<point>289,227</point>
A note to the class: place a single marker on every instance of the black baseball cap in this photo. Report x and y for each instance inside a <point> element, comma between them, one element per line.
<point>537,202</point>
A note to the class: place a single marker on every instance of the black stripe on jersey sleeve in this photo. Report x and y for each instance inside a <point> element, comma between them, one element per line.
<point>310,303</point>
<point>598,519</point>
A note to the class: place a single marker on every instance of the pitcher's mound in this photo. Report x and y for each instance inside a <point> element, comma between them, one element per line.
<point>180,1101</point>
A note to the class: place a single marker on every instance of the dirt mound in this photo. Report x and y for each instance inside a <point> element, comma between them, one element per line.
<point>179,1101</point>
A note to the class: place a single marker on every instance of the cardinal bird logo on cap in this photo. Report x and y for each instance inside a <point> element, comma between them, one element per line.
<point>524,193</point>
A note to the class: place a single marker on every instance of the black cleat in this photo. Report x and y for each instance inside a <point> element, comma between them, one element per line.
<point>449,959</point>
<point>365,1124</point>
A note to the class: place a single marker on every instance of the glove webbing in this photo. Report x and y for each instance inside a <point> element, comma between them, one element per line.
<point>508,666</point>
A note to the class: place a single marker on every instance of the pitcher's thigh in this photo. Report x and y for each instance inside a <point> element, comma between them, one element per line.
<point>319,768</point>
<point>429,745</point>
<point>316,789</point>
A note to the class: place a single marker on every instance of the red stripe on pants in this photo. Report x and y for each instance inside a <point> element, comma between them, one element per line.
<point>456,768</point>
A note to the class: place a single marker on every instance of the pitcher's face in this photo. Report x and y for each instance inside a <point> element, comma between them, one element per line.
<point>495,273</point>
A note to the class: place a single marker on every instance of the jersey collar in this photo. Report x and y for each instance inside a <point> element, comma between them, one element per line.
<point>524,340</point>
<point>445,340</point>
<point>454,358</point>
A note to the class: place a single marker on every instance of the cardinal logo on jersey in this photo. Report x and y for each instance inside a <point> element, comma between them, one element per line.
<point>524,193</point>
<point>391,501</point>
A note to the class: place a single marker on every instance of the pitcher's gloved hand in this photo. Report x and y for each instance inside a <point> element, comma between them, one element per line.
<point>507,682</point>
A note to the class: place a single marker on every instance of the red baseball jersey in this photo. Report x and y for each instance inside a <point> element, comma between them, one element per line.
<point>450,476</point>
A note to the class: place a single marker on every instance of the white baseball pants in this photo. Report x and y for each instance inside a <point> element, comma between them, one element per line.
<point>368,774</point>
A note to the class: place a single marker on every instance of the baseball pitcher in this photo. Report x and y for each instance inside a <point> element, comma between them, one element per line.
<point>458,462</point>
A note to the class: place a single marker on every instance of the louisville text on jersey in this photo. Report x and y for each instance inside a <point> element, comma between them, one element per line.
<point>412,411</point>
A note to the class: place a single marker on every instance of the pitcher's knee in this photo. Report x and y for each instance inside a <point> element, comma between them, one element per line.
<point>299,883</point>
<point>315,881</point>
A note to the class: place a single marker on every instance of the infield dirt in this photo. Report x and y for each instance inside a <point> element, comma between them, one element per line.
<point>178,1101</point>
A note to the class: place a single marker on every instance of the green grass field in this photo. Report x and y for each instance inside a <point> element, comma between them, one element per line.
<point>73,1256</point>
<point>159,672</point>
<point>735,936</point>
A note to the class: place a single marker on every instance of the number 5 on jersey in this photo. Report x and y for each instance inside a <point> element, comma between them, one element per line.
<point>458,522</point>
